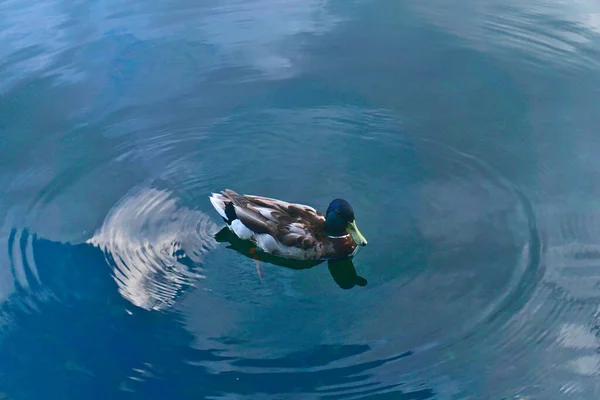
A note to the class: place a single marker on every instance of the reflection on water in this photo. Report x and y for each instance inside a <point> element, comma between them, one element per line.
<point>464,133</point>
<point>154,246</point>
<point>343,272</point>
<point>554,31</point>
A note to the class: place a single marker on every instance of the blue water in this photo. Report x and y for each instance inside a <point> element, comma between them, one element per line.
<point>464,134</point>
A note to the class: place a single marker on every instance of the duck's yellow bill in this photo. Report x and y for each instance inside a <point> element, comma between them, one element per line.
<point>356,235</point>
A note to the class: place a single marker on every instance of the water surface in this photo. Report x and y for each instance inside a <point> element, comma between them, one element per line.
<point>465,135</point>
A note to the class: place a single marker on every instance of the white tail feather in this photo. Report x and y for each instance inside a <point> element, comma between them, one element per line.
<point>218,203</point>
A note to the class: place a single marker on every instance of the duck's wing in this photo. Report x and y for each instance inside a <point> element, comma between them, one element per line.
<point>293,225</point>
<point>297,225</point>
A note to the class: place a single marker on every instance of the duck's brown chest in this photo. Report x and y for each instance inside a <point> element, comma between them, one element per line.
<point>342,246</point>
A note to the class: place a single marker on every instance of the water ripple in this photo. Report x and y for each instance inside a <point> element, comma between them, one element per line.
<point>154,245</point>
<point>122,117</point>
<point>561,32</point>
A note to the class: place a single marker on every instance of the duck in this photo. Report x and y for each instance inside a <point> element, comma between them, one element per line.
<point>291,230</point>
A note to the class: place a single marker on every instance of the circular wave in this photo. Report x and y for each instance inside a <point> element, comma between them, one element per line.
<point>155,246</point>
<point>459,257</point>
<point>452,279</point>
<point>435,253</point>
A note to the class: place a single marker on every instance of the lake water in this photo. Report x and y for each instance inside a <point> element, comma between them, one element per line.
<point>464,133</point>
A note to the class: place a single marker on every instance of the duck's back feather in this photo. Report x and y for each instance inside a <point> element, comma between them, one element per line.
<point>292,225</point>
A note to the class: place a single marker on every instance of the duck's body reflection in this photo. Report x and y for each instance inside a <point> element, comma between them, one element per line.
<point>342,271</point>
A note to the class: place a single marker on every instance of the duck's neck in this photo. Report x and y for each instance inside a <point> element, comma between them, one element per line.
<point>334,230</point>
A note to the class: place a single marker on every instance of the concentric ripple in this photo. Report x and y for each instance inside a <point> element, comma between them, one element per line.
<point>436,253</point>
<point>155,246</point>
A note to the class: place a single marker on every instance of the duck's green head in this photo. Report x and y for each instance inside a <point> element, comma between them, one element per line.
<point>339,221</point>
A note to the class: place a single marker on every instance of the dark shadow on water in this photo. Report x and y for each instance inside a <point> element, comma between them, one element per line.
<point>74,336</point>
<point>343,272</point>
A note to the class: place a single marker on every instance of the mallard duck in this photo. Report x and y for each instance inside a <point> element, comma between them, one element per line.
<point>289,230</point>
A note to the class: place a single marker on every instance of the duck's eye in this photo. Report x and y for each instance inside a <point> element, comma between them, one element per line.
<point>337,212</point>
